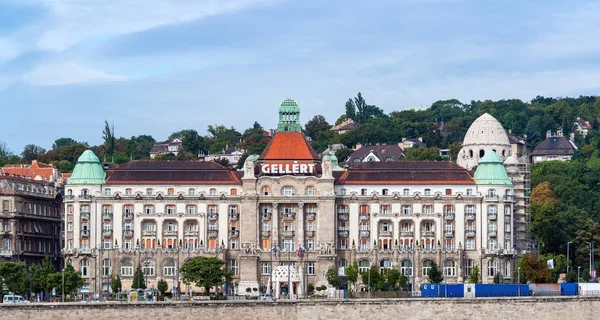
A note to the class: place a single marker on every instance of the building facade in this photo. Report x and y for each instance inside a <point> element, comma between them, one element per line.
<point>287,217</point>
<point>30,220</point>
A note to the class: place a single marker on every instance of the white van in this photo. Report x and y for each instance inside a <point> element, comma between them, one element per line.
<point>10,298</point>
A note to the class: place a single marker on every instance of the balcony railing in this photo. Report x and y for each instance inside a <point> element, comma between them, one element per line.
<point>309,234</point>
<point>343,216</point>
<point>265,234</point>
<point>470,233</point>
<point>149,232</point>
<point>169,233</point>
<point>288,216</point>
<point>469,216</point>
<point>191,232</point>
<point>85,233</point>
<point>508,198</point>
<point>213,233</point>
<point>406,233</point>
<point>491,197</point>
<point>69,198</point>
<point>266,216</point>
<point>449,216</point>
<point>233,216</point>
<point>128,233</point>
<point>213,216</point>
<point>85,197</point>
<point>365,233</point>
<point>492,233</point>
<point>492,216</point>
<point>6,253</point>
<point>234,233</point>
<point>364,216</point>
<point>449,233</point>
<point>385,233</point>
<point>343,233</point>
<point>85,216</point>
<point>128,216</point>
<point>107,233</point>
<point>107,216</point>
<point>428,233</point>
<point>310,216</point>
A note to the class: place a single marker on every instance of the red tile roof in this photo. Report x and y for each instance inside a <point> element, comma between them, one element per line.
<point>289,146</point>
<point>407,172</point>
<point>45,171</point>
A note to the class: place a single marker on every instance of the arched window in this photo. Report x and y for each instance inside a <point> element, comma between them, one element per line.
<point>471,154</point>
<point>170,209</point>
<point>148,267</point>
<point>265,191</point>
<point>481,153</point>
<point>310,191</point>
<point>492,266</point>
<point>388,159</point>
<point>170,191</point>
<point>191,192</point>
<point>233,192</point>
<point>406,267</point>
<point>127,267</point>
<point>149,209</point>
<point>469,264</point>
<point>342,263</point>
<point>385,264</point>
<point>168,267</point>
<point>287,191</point>
<point>364,265</point>
<point>84,268</point>
<point>427,265</point>
<point>449,268</point>
<point>233,267</point>
<point>191,209</point>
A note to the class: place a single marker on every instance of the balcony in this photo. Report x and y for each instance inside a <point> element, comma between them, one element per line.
<point>287,233</point>
<point>364,233</point>
<point>233,216</point>
<point>310,234</point>
<point>85,216</point>
<point>169,233</point>
<point>385,233</point>
<point>128,233</point>
<point>364,216</point>
<point>492,233</point>
<point>191,232</point>
<point>407,233</point>
<point>234,233</point>
<point>266,216</point>
<point>508,198</point>
<point>213,233</point>
<point>6,253</point>
<point>311,216</point>
<point>212,216</point>
<point>448,233</point>
<point>128,216</point>
<point>69,198</point>
<point>288,216</point>
<point>107,233</point>
<point>85,233</point>
<point>149,233</point>
<point>469,216</point>
<point>343,233</point>
<point>470,233</point>
<point>491,197</point>
<point>449,216</point>
<point>492,216</point>
<point>428,233</point>
<point>85,198</point>
<point>343,217</point>
<point>107,216</point>
<point>265,234</point>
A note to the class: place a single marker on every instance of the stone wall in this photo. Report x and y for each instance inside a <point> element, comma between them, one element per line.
<point>491,308</point>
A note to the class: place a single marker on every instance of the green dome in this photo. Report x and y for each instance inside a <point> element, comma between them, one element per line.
<point>289,105</point>
<point>491,170</point>
<point>88,170</point>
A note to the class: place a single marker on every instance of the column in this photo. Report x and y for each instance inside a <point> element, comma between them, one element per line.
<point>300,224</point>
<point>275,227</point>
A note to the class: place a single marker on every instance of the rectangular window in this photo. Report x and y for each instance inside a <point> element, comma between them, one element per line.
<point>191,209</point>
<point>406,209</point>
<point>427,209</point>
<point>363,192</point>
<point>385,209</point>
<point>310,244</point>
<point>265,268</point>
<point>310,226</point>
<point>288,245</point>
<point>170,191</point>
<point>107,191</point>
<point>469,192</point>
<point>343,243</point>
<point>5,205</point>
<point>310,268</point>
<point>170,209</point>
<point>406,192</point>
<point>288,226</point>
<point>427,192</point>
<point>384,192</point>
<point>266,244</point>
<point>448,192</point>
<point>233,244</point>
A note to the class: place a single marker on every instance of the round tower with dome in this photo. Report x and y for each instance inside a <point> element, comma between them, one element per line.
<point>485,134</point>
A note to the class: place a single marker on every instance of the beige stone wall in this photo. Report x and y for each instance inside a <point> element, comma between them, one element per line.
<point>563,308</point>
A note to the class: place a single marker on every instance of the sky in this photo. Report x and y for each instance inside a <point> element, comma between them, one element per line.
<point>155,67</point>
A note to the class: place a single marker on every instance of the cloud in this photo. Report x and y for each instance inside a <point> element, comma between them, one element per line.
<point>8,50</point>
<point>77,21</point>
<point>67,73</point>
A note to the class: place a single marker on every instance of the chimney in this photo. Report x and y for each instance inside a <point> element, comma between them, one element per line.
<point>548,133</point>
<point>420,139</point>
<point>33,161</point>
<point>358,146</point>
<point>572,136</point>
<point>509,131</point>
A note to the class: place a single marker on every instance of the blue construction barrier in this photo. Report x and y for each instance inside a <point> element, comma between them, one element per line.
<point>501,290</point>
<point>568,289</point>
<point>440,290</point>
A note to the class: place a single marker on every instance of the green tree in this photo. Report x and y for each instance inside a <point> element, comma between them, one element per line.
<point>315,126</point>
<point>435,274</point>
<point>332,277</point>
<point>474,275</point>
<point>13,278</point>
<point>205,272</point>
<point>352,274</point>
<point>343,154</point>
<point>41,278</point>
<point>73,280</point>
<point>6,157</point>
<point>63,142</point>
<point>534,271</point>
<point>138,279</point>
<point>373,277</point>
<point>31,152</point>
<point>222,161</point>
<point>162,287</point>
<point>422,154</point>
<point>115,284</point>
<point>109,139</point>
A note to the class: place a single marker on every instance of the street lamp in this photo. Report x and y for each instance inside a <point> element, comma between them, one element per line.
<point>369,282</point>
<point>578,269</point>
<point>568,261</point>
<point>519,280</point>
<point>591,247</point>
<point>63,285</point>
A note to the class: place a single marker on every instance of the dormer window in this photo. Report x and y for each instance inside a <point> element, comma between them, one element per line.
<point>287,191</point>
<point>107,191</point>
<point>128,191</point>
<point>149,191</point>
<point>213,192</point>
<point>388,159</point>
<point>265,191</point>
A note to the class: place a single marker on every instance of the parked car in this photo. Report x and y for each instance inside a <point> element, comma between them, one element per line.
<point>266,297</point>
<point>13,298</point>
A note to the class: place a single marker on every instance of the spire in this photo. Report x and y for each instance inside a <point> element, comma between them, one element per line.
<point>289,116</point>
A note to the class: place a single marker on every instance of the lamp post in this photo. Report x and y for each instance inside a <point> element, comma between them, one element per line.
<point>63,285</point>
<point>590,246</point>
<point>568,263</point>
<point>519,280</point>
<point>289,273</point>
<point>445,274</point>
<point>578,269</point>
<point>306,269</point>
<point>369,282</point>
